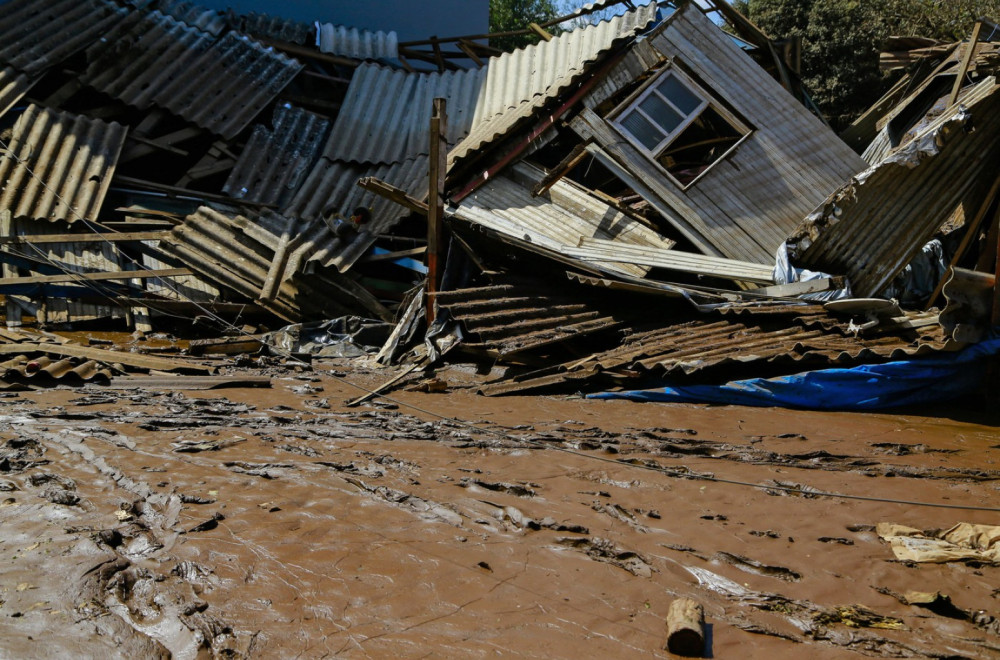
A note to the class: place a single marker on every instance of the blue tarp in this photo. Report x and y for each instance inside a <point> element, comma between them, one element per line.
<point>870,387</point>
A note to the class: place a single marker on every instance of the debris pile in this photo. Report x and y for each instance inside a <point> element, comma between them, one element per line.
<point>653,202</point>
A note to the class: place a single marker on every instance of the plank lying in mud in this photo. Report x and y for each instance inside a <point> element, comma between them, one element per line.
<point>134,360</point>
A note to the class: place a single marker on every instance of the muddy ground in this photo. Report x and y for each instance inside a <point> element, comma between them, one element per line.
<point>271,523</point>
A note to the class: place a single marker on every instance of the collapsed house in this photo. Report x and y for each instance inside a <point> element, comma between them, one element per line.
<point>627,200</point>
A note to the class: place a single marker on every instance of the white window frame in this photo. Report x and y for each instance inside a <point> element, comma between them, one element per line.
<point>633,103</point>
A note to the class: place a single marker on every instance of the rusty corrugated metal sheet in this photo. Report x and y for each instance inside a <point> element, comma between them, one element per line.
<point>508,319</point>
<point>218,84</point>
<point>13,86</point>
<point>680,350</point>
<point>872,227</point>
<point>38,34</point>
<point>519,83</point>
<point>556,220</point>
<point>277,158</point>
<point>59,165</point>
<point>43,371</point>
<point>355,43</point>
<point>387,112</point>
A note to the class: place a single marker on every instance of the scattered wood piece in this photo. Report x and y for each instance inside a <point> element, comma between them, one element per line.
<point>189,382</point>
<point>383,387</point>
<point>135,360</point>
<point>225,346</point>
<point>686,628</point>
<point>970,52</point>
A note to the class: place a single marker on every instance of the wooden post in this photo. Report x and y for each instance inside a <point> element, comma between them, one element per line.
<point>970,52</point>
<point>435,200</point>
<point>685,628</point>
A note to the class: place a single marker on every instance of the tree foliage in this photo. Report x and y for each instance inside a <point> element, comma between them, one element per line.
<point>512,15</point>
<point>842,40</point>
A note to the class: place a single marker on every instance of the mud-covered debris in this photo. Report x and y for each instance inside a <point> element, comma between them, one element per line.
<point>59,495</point>
<point>208,525</point>
<point>855,616</point>
<point>196,499</point>
<point>425,508</point>
<point>318,404</point>
<point>835,539</point>
<point>257,469</point>
<point>790,489</point>
<point>765,533</point>
<point>604,550</point>
<point>306,389</point>
<point>758,568</point>
<point>7,486</point>
<point>110,537</point>
<point>619,513</point>
<point>520,490</point>
<point>195,446</point>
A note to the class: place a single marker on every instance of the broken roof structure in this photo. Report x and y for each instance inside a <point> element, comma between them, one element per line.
<point>227,162</point>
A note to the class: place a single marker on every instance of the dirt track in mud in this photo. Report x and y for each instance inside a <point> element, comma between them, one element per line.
<point>279,523</point>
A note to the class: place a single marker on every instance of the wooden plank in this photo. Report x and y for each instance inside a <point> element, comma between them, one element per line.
<point>87,238</point>
<point>97,277</point>
<point>136,360</point>
<point>578,153</point>
<point>970,52</point>
<point>391,192</point>
<point>392,256</point>
<point>537,29</point>
<point>435,200</point>
<point>189,382</point>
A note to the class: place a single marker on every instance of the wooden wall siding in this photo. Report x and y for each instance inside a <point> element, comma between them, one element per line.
<point>640,58</point>
<point>746,205</point>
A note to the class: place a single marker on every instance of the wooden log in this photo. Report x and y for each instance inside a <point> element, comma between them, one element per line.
<point>686,628</point>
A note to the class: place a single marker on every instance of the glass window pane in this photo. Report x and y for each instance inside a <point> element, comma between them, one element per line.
<point>661,113</point>
<point>646,133</point>
<point>679,94</point>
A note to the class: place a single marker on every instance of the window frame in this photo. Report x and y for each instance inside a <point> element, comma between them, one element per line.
<point>632,103</point>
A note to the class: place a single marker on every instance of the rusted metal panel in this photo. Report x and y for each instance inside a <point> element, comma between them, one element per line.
<point>872,227</point>
<point>277,158</point>
<point>59,165</point>
<point>387,112</point>
<point>218,84</point>
<point>43,371</point>
<point>38,34</point>
<point>556,220</point>
<point>517,84</point>
<point>679,350</point>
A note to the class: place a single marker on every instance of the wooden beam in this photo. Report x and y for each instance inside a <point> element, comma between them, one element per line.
<point>391,192</point>
<point>562,169</point>
<point>970,233</point>
<point>970,52</point>
<point>537,29</point>
<point>87,238</point>
<point>435,200</point>
<point>465,48</point>
<point>392,256</point>
<point>97,277</point>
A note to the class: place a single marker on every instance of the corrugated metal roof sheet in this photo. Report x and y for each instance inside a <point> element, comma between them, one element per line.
<point>38,34</point>
<point>220,85</point>
<point>194,15</point>
<point>355,43</point>
<point>873,226</point>
<point>43,371</point>
<point>386,113</point>
<point>59,165</point>
<point>556,220</point>
<point>277,158</point>
<point>13,86</point>
<point>683,349</point>
<point>236,251</point>
<point>519,83</point>
<point>277,28</point>
<point>332,187</point>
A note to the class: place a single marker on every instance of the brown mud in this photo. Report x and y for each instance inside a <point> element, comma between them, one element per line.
<point>280,523</point>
